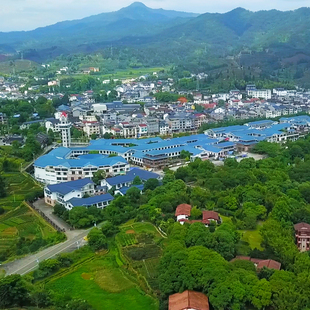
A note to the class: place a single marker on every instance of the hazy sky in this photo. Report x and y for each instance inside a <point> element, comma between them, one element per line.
<point>30,14</point>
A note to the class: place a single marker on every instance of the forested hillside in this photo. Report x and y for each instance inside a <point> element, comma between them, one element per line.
<point>265,44</point>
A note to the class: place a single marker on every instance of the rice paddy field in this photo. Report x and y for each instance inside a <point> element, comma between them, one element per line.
<point>19,220</point>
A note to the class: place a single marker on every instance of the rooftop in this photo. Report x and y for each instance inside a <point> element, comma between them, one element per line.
<point>85,202</point>
<point>188,300</point>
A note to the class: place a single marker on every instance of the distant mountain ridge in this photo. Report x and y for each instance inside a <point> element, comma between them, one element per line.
<point>134,20</point>
<point>269,40</point>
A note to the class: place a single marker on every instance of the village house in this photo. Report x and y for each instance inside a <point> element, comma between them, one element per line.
<point>260,263</point>
<point>302,234</point>
<point>188,300</point>
<point>183,213</point>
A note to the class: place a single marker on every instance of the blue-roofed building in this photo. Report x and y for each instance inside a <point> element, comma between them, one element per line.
<point>60,193</point>
<point>126,180</point>
<point>60,166</point>
<point>65,164</point>
<point>261,124</point>
<point>123,191</point>
<point>100,201</point>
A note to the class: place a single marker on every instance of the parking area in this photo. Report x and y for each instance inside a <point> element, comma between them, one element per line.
<point>48,211</point>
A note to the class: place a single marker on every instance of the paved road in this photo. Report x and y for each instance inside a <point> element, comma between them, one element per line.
<point>30,263</point>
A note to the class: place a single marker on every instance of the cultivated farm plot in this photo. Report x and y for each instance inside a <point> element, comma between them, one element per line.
<point>21,222</point>
<point>126,239</point>
<point>18,186</point>
<point>104,285</point>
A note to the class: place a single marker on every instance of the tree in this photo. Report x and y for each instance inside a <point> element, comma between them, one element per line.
<point>13,291</point>
<point>109,230</point>
<point>107,135</point>
<point>94,136</point>
<point>78,217</point>
<point>98,176</point>
<point>133,194</point>
<point>96,239</point>
<point>185,154</point>
<point>40,298</point>
<point>2,187</point>
<point>168,177</point>
<point>151,184</point>
<point>261,294</point>
<point>136,181</point>
<point>195,213</point>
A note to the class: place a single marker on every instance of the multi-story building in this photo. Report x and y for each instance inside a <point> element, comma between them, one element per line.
<point>152,126</point>
<point>62,165</point>
<point>302,234</point>
<point>260,93</point>
<point>60,193</point>
<point>91,127</point>
<point>64,126</point>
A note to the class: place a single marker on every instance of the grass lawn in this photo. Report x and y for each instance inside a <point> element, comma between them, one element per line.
<point>253,238</point>
<point>226,219</point>
<point>104,285</point>
<point>250,239</point>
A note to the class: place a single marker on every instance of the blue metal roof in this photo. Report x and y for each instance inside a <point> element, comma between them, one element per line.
<point>124,190</point>
<point>263,122</point>
<point>144,175</point>
<point>95,160</point>
<point>67,187</point>
<point>85,202</point>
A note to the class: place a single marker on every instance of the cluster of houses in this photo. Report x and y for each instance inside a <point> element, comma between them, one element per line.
<point>183,213</point>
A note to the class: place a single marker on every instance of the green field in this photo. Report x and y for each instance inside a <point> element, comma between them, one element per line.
<point>19,221</point>
<point>144,239</point>
<point>18,65</point>
<point>104,285</point>
<point>124,74</point>
<point>18,185</point>
<point>22,222</point>
<point>253,238</point>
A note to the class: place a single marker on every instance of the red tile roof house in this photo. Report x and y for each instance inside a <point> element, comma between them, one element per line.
<point>302,234</point>
<point>188,300</point>
<point>209,216</point>
<point>260,263</point>
<point>183,213</point>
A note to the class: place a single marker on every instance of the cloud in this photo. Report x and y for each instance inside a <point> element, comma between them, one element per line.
<point>30,14</point>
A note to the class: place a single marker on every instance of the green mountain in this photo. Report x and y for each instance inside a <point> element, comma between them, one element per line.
<point>134,20</point>
<point>269,43</point>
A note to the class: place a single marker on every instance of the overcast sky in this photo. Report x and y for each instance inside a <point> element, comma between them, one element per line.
<point>30,14</point>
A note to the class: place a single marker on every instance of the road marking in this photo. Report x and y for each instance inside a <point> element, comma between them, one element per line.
<point>46,258</point>
<point>46,253</point>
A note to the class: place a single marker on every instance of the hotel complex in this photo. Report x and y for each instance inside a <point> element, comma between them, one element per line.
<point>114,155</point>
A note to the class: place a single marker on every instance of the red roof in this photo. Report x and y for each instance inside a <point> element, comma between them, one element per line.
<point>210,215</point>
<point>183,209</point>
<point>302,227</point>
<point>260,263</point>
<point>183,99</point>
<point>188,300</point>
<point>269,263</point>
<point>143,125</point>
<point>64,114</point>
